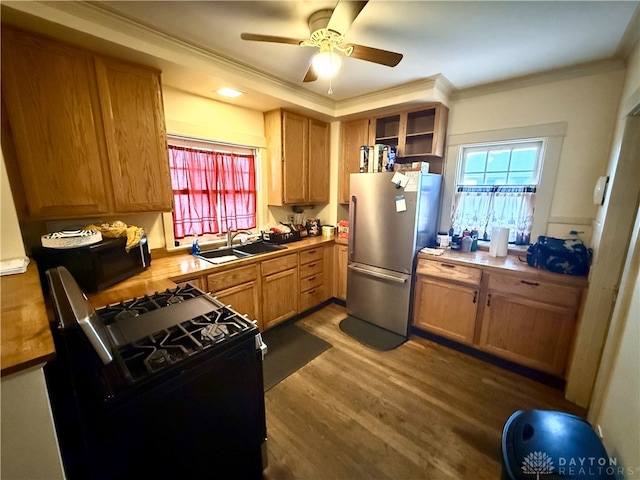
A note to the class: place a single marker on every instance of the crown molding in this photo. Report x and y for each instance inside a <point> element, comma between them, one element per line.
<point>574,71</point>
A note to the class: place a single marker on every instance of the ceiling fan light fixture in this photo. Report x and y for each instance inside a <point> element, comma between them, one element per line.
<point>229,92</point>
<point>326,63</point>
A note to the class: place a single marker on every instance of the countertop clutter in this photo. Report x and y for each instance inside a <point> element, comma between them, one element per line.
<point>26,335</point>
<point>510,263</point>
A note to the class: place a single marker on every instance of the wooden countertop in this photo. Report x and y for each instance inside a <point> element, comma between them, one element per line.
<point>505,265</point>
<point>170,268</point>
<point>26,338</point>
<point>26,335</point>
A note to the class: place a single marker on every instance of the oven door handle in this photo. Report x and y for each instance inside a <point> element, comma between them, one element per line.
<point>260,345</point>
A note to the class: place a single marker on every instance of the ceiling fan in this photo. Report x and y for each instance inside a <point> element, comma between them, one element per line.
<point>327,33</point>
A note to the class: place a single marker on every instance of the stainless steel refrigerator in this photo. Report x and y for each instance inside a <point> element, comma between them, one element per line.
<point>388,225</point>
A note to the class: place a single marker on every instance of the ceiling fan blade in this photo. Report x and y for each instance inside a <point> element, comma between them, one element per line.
<point>269,38</point>
<point>343,15</point>
<point>375,55</point>
<point>311,75</point>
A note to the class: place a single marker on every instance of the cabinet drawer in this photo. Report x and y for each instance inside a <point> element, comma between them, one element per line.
<point>231,278</point>
<point>311,282</point>
<point>279,264</point>
<point>450,271</point>
<point>312,268</point>
<point>311,255</point>
<point>311,298</point>
<point>546,292</point>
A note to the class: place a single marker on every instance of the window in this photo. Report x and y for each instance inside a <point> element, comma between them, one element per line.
<point>214,191</point>
<point>496,186</point>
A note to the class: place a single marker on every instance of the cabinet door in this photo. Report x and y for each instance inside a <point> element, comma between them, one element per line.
<point>529,332</point>
<point>318,167</point>
<point>198,282</point>
<point>295,160</point>
<point>53,108</point>
<point>243,298</point>
<point>446,308</point>
<point>354,134</point>
<point>342,253</point>
<point>279,297</point>
<point>136,139</point>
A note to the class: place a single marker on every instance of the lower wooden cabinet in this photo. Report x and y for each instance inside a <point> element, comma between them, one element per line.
<point>446,308</point>
<point>342,259</point>
<point>279,289</point>
<point>239,288</point>
<point>529,322</point>
<point>527,318</point>
<point>446,299</point>
<point>315,275</point>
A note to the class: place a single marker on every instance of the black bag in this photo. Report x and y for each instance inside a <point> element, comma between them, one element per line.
<point>559,255</point>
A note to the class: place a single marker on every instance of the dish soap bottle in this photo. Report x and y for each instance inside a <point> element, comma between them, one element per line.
<point>195,246</point>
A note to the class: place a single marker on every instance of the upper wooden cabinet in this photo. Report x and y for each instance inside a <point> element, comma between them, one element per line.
<point>353,135</point>
<point>133,118</point>
<point>418,135</point>
<point>88,132</point>
<point>297,158</point>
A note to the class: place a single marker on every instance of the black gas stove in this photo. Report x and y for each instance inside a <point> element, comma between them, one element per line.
<point>158,331</point>
<point>176,371</point>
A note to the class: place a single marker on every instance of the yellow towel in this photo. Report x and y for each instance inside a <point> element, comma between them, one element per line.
<point>119,229</point>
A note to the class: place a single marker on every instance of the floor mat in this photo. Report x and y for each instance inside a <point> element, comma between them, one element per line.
<point>289,348</point>
<point>371,335</point>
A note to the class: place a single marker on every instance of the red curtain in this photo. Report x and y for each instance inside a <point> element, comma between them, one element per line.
<point>213,191</point>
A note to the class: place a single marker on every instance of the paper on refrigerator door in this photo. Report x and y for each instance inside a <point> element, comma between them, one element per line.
<point>412,181</point>
<point>401,203</point>
<point>399,179</point>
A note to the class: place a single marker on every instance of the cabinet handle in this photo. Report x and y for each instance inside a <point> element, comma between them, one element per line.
<point>475,296</point>
<point>448,265</point>
<point>311,278</point>
<point>311,251</point>
<point>311,292</point>
<point>312,265</point>
<point>533,284</point>
<point>489,300</point>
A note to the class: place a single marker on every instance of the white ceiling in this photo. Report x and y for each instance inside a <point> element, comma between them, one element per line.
<point>465,43</point>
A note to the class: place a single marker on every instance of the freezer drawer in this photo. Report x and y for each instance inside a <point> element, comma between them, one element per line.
<point>379,296</point>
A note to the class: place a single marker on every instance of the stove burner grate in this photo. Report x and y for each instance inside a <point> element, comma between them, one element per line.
<point>169,346</point>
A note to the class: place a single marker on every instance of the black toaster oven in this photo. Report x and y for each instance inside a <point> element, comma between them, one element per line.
<point>95,267</point>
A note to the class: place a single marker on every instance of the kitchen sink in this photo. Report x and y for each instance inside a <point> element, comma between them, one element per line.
<point>258,248</point>
<point>229,254</point>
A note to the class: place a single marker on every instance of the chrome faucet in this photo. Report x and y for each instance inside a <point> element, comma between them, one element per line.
<point>231,236</point>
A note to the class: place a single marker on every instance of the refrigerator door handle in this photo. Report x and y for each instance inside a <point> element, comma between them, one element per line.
<point>353,202</point>
<point>378,275</point>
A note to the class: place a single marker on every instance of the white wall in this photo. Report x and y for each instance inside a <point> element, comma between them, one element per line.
<point>616,396</point>
<point>612,227</point>
<point>11,245</point>
<point>618,415</point>
<point>587,103</point>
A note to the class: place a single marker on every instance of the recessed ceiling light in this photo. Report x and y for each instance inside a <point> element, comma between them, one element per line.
<point>229,92</point>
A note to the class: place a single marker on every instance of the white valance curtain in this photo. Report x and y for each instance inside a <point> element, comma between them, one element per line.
<point>485,207</point>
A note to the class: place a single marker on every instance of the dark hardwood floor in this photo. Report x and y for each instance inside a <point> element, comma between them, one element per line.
<point>421,411</point>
